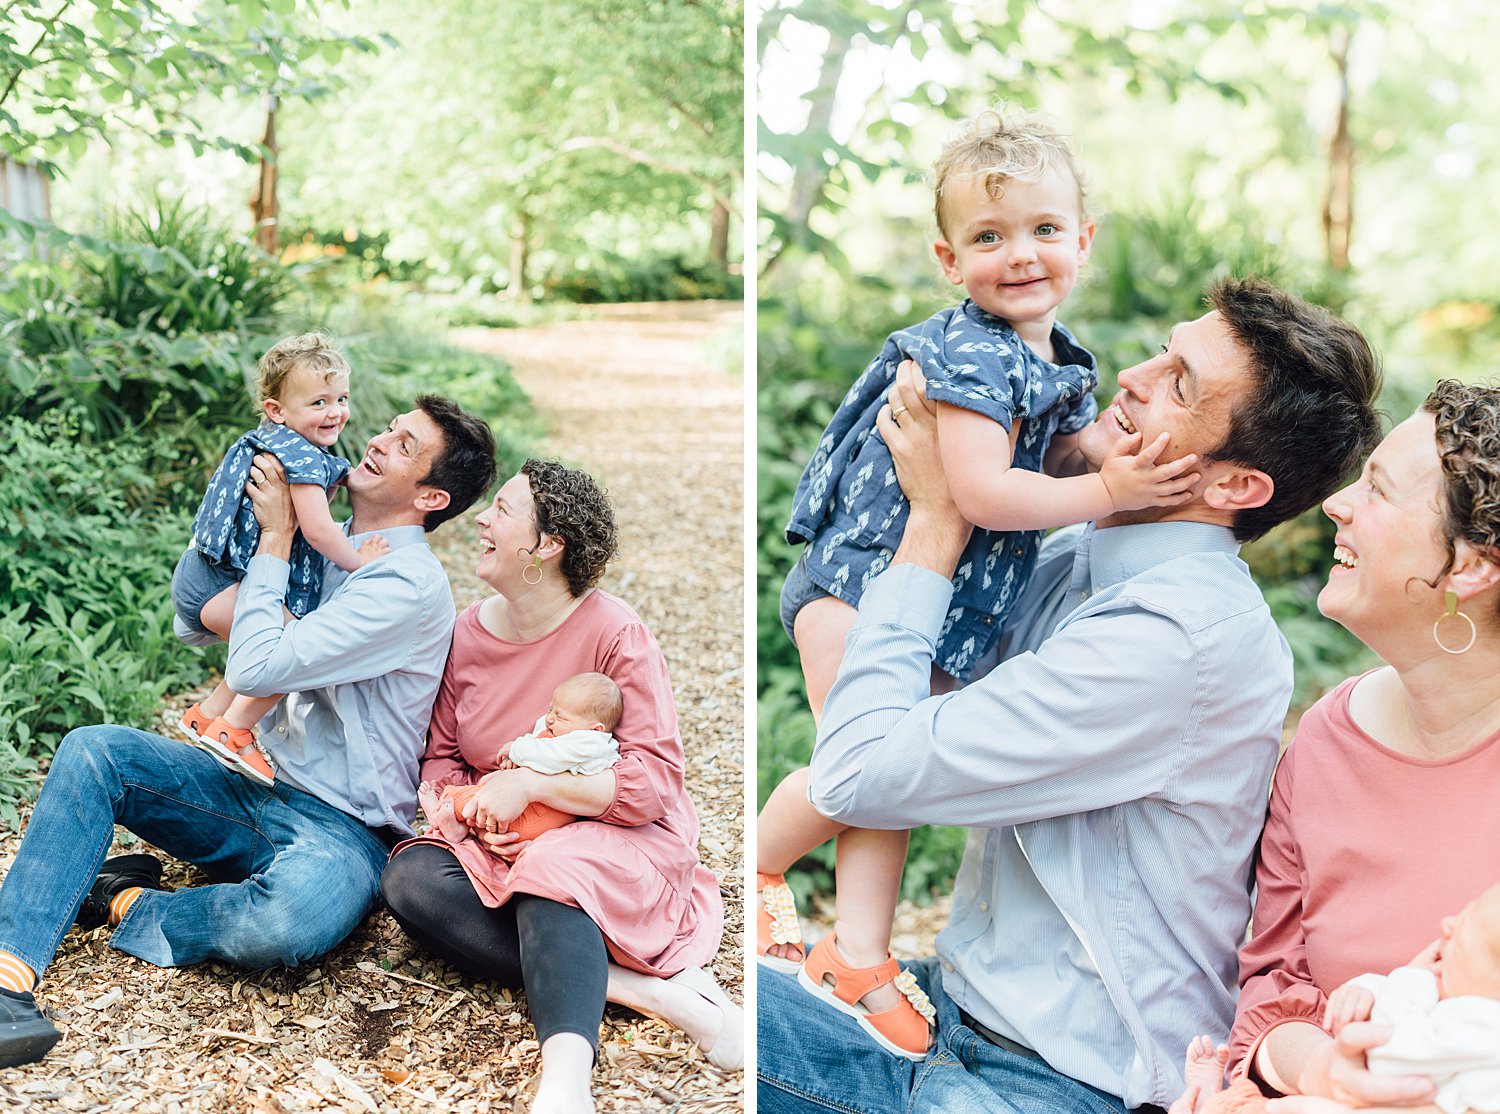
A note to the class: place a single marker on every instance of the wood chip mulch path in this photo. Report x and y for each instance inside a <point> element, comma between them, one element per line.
<point>640,397</point>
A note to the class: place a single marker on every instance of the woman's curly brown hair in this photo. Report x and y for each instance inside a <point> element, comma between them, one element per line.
<point>575,510</point>
<point>1468,438</point>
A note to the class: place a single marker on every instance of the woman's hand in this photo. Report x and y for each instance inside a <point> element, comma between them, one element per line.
<point>271,500</point>
<point>502,796</point>
<point>1336,1070</point>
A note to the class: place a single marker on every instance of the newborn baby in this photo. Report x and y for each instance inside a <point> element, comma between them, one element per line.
<point>1443,1008</point>
<point>573,737</point>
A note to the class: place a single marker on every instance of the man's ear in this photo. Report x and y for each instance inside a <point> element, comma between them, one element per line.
<point>948,259</point>
<point>431,499</point>
<point>1239,489</point>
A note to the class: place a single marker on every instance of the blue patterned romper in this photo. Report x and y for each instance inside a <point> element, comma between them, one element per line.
<point>850,511</point>
<point>225,531</point>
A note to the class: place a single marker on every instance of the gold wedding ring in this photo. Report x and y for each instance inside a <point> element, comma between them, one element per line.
<point>896,413</point>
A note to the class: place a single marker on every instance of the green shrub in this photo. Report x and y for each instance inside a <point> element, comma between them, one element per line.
<point>86,556</point>
<point>618,278</point>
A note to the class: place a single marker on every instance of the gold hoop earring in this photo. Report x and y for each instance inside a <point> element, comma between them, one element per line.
<point>1451,599</point>
<point>536,565</point>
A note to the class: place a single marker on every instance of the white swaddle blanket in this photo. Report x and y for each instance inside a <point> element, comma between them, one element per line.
<point>1454,1042</point>
<point>577,752</point>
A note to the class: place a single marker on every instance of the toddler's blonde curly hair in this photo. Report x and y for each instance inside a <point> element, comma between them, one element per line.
<point>999,145</point>
<point>314,351</point>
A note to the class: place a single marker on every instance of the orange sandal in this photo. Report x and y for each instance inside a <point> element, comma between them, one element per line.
<point>236,748</point>
<point>904,1030</point>
<point>776,922</point>
<point>194,723</point>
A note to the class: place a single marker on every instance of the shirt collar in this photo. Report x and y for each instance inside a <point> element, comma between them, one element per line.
<point>1111,556</point>
<point>395,536</point>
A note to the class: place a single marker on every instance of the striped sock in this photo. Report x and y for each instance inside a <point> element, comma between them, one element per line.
<point>120,904</point>
<point>15,975</point>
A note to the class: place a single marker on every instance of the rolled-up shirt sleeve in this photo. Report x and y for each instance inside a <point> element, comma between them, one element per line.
<point>1039,737</point>
<point>649,774</point>
<point>1276,983</point>
<point>364,631</point>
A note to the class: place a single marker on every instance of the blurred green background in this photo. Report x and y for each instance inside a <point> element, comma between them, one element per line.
<point>1343,150</point>
<point>184,181</point>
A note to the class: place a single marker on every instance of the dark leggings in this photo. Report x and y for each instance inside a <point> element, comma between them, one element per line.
<point>552,951</point>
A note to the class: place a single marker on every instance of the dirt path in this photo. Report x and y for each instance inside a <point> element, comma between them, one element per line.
<point>637,395</point>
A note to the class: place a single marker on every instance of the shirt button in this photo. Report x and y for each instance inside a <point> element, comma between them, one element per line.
<point>984,906</point>
<point>988,620</point>
<point>1019,551</point>
<point>947,966</point>
<point>1082,596</point>
<point>281,730</point>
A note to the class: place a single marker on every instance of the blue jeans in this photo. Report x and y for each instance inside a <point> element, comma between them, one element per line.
<point>293,876</point>
<point>813,1058</point>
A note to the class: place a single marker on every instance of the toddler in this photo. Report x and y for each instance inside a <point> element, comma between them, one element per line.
<point>573,737</point>
<point>1443,1008</point>
<point>302,385</point>
<point>1012,390</point>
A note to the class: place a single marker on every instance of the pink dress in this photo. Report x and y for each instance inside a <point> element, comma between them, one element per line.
<point>634,868</point>
<point>1365,850</point>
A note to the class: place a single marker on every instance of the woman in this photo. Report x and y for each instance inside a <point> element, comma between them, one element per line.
<point>612,905</point>
<point>1385,813</point>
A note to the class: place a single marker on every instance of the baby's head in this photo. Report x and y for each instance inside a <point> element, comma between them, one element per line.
<point>586,702</point>
<point>303,384</point>
<point>1468,951</point>
<point>1012,227</point>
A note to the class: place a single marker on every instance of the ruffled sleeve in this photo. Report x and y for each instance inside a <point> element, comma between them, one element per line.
<point>649,774</point>
<point>1276,984</point>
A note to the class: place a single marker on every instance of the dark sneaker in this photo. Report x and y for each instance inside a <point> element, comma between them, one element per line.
<point>25,1035</point>
<point>119,873</point>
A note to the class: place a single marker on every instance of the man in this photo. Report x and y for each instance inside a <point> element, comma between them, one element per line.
<point>1114,771</point>
<point>297,866</point>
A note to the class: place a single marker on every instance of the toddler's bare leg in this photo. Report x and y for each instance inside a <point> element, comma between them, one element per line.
<point>789,827</point>
<point>218,701</point>
<point>244,712</point>
<point>218,613</point>
<point>820,628</point>
<point>868,879</point>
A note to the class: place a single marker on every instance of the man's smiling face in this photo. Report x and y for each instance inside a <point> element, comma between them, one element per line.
<point>396,461</point>
<point>1188,391</point>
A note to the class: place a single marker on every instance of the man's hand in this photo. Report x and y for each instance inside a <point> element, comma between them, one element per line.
<point>935,532</point>
<point>1336,1070</point>
<point>271,499</point>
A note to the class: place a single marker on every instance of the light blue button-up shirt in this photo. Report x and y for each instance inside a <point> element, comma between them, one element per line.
<point>360,672</point>
<point>1114,772</point>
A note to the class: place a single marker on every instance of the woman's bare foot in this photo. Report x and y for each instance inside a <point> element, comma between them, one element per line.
<point>690,1001</point>
<point>567,1069</point>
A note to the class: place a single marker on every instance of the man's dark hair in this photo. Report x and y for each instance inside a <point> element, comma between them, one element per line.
<point>1309,416</point>
<point>465,468</point>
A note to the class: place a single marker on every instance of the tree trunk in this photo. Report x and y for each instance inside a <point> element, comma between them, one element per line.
<point>520,253</point>
<point>1338,203</point>
<point>810,176</point>
<point>718,237</point>
<point>263,200</point>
